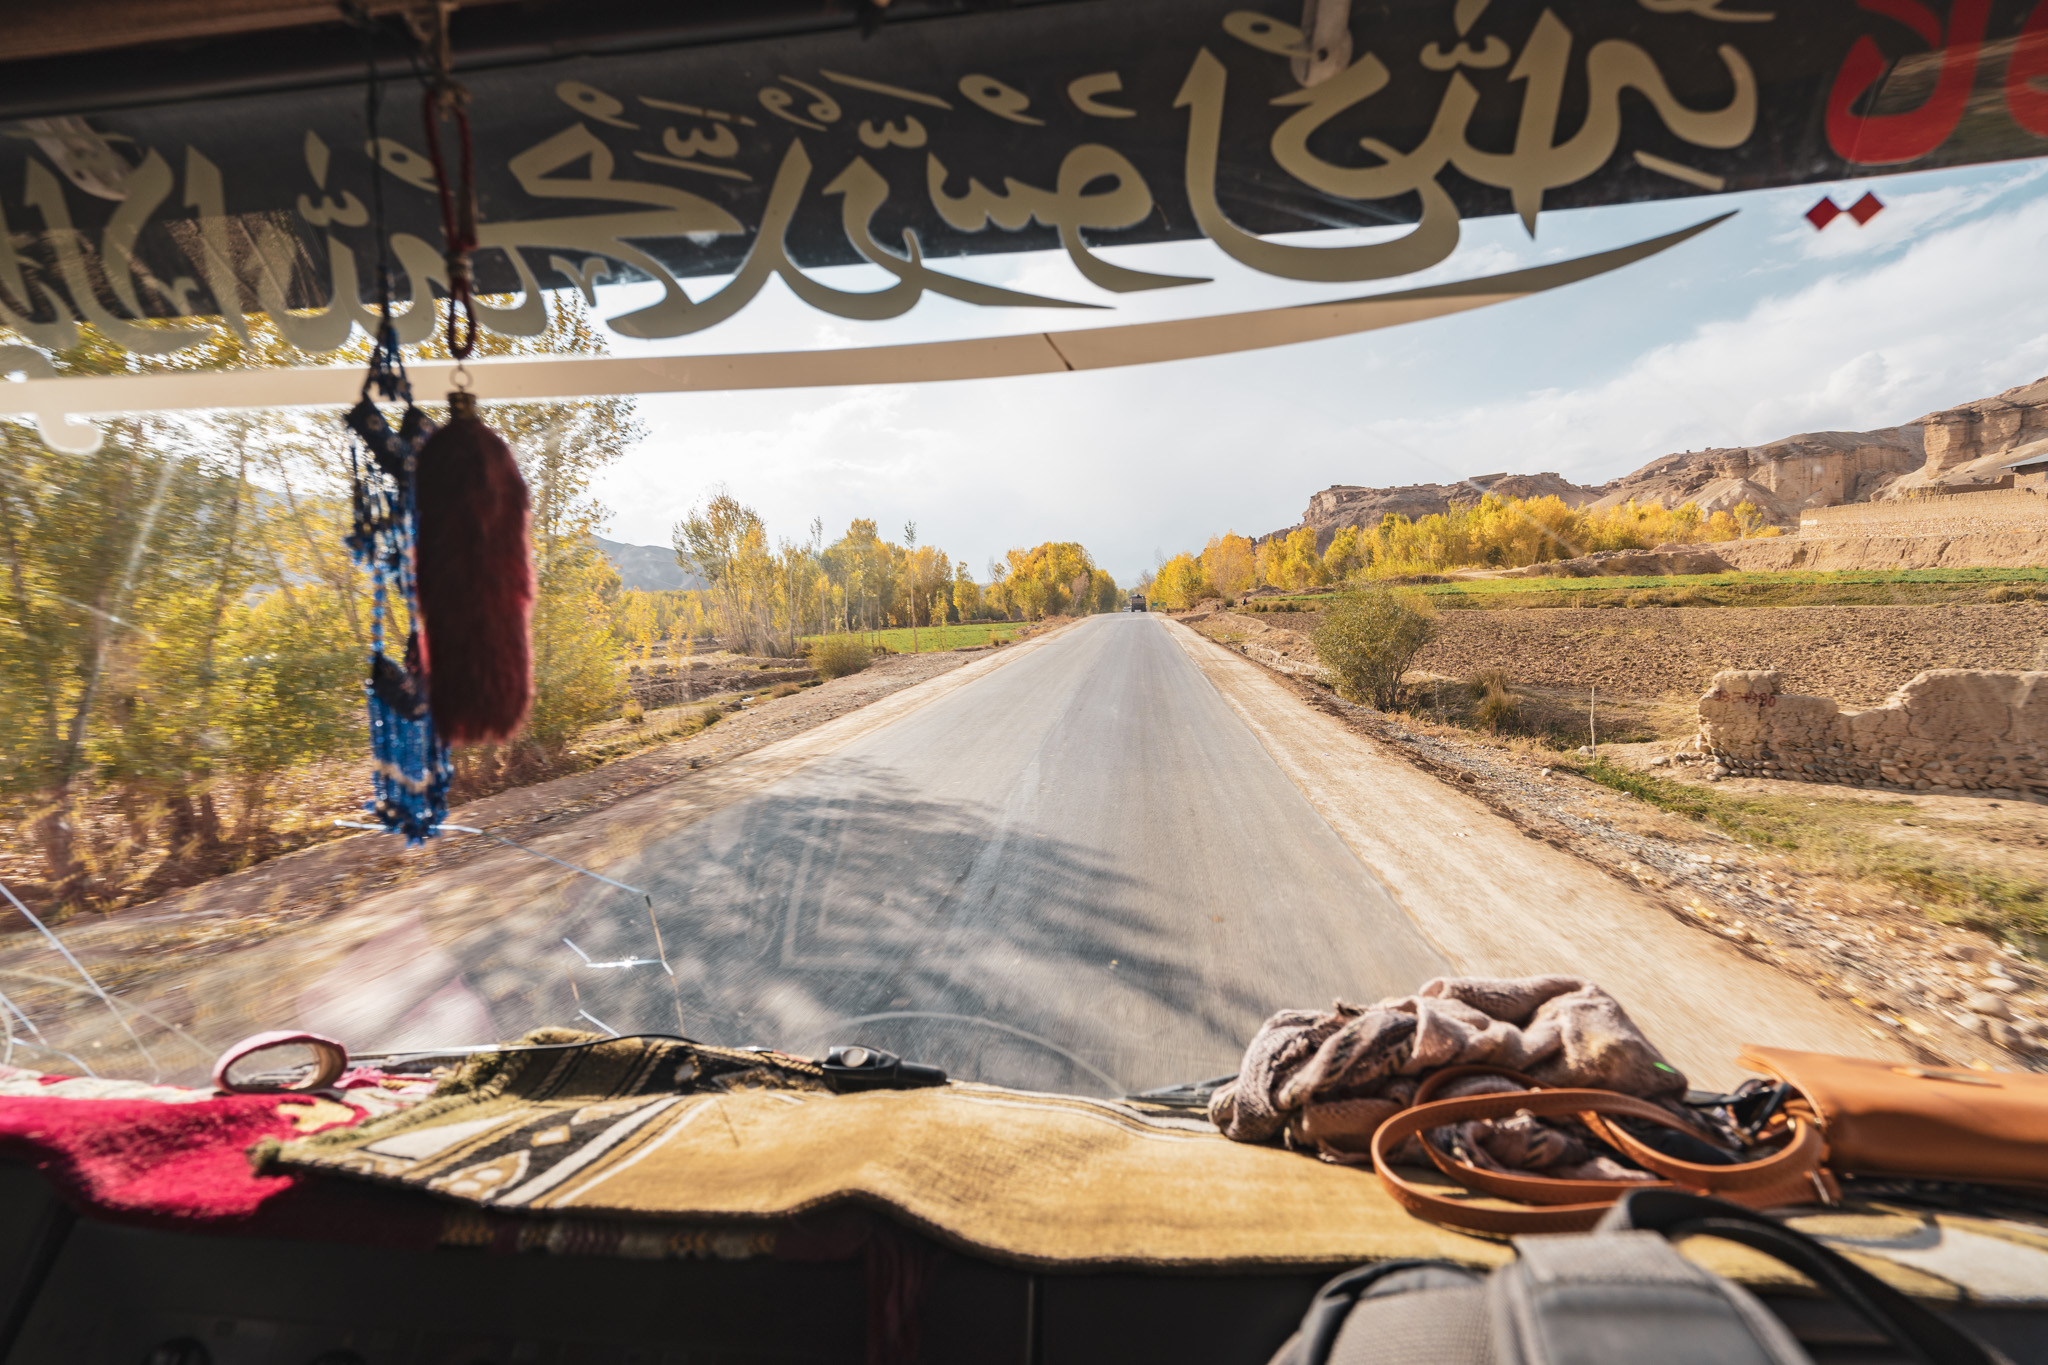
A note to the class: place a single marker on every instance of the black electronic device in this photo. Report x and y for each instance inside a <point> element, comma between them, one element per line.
<point>853,1066</point>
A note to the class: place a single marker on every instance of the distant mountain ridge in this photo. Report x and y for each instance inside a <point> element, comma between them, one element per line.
<point>1989,443</point>
<point>648,568</point>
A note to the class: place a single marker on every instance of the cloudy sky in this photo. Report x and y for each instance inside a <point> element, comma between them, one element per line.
<point>1758,329</point>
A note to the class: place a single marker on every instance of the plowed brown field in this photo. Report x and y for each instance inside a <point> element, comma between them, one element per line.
<point>1857,655</point>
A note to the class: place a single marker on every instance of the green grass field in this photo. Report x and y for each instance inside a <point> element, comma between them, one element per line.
<point>1856,587</point>
<point>931,638</point>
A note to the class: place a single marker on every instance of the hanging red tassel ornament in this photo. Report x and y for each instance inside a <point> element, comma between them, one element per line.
<point>475,567</point>
<point>475,574</point>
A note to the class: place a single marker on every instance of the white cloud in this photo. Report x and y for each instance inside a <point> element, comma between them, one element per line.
<point>1864,346</point>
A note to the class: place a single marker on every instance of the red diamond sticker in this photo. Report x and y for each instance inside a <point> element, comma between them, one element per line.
<point>1866,208</point>
<point>1823,213</point>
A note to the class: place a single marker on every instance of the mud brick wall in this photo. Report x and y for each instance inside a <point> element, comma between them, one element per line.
<point>1957,729</point>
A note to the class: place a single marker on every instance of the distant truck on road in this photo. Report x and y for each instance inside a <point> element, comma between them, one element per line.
<point>1138,601</point>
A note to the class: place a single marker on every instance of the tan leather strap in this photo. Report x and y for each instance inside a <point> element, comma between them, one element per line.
<point>1571,1205</point>
<point>1540,1189</point>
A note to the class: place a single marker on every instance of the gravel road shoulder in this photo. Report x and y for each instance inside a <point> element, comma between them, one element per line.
<point>1909,977</point>
<point>1503,898</point>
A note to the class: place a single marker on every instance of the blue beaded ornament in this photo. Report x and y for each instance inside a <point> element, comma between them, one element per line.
<point>410,767</point>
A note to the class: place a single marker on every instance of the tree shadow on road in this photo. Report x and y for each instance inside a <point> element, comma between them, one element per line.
<point>841,911</point>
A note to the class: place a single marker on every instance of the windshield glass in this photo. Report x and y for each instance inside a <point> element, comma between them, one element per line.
<point>1035,572</point>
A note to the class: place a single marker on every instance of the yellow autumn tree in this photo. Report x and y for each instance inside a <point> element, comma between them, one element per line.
<point>1040,582</point>
<point>1103,593</point>
<point>967,596</point>
<point>1346,556</point>
<point>1181,583</point>
<point>1500,532</point>
<point>1291,561</point>
<point>1230,563</point>
<point>640,622</point>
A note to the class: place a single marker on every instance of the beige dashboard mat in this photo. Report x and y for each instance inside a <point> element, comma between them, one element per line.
<point>671,1132</point>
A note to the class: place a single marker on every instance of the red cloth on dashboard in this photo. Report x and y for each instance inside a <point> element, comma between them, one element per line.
<point>177,1161</point>
<point>185,1164</point>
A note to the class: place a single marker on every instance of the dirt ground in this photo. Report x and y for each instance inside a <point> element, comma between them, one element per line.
<point>673,681</point>
<point>1856,655</point>
<point>1911,966</point>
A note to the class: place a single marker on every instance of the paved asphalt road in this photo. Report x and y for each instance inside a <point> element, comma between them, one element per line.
<point>1081,872</point>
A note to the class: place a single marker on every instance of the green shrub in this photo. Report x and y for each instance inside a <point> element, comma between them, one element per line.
<point>838,655</point>
<point>1368,639</point>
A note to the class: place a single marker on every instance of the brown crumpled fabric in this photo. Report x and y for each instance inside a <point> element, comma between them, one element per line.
<point>1325,1080</point>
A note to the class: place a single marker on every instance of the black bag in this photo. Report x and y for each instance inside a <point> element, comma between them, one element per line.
<point>1614,1296</point>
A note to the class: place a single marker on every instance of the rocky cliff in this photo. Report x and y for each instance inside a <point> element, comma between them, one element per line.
<point>1989,443</point>
<point>1981,444</point>
<point>1818,469</point>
